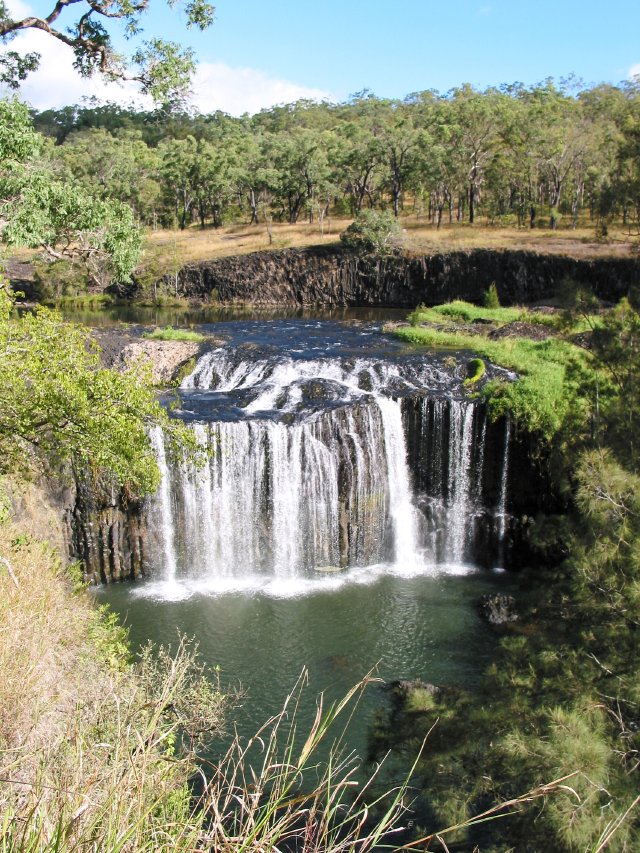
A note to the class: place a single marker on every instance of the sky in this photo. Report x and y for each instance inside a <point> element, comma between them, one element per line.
<point>258,54</point>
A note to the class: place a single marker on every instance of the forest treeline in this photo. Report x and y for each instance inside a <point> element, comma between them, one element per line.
<point>514,155</point>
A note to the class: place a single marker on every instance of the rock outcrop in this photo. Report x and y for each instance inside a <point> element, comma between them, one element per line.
<point>498,608</point>
<point>166,358</point>
<point>334,276</point>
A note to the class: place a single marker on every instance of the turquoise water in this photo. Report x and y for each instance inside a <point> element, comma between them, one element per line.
<point>422,627</point>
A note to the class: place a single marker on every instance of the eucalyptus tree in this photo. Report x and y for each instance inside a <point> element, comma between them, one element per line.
<point>398,140</point>
<point>561,144</point>
<point>300,161</point>
<point>248,151</point>
<point>162,68</point>
<point>179,173</point>
<point>440,167</point>
<point>473,119</point>
<point>217,177</point>
<point>119,166</point>
<point>358,163</point>
<point>39,211</point>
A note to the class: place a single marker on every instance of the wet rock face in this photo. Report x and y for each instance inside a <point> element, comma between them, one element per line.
<point>331,275</point>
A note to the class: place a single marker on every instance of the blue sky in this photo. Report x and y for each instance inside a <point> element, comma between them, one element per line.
<point>261,53</point>
<point>398,47</point>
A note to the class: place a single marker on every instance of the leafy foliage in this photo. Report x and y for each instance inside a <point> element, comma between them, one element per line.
<point>59,216</point>
<point>372,231</point>
<point>491,299</point>
<point>525,156</point>
<point>162,68</point>
<point>563,697</point>
<point>57,404</point>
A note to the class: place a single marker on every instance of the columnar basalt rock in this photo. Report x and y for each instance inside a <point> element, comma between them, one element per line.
<point>106,531</point>
<point>333,276</point>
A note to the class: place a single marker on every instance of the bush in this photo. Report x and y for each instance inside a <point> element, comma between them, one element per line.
<point>491,299</point>
<point>475,371</point>
<point>373,231</point>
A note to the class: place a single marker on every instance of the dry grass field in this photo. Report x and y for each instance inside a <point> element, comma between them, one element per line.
<point>196,244</point>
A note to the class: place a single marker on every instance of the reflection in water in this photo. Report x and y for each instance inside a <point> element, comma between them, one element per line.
<point>112,315</point>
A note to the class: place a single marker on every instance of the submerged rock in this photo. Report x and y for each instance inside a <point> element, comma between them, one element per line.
<point>498,608</point>
<point>412,695</point>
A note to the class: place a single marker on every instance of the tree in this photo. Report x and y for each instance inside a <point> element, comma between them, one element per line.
<point>358,160</point>
<point>373,232</point>
<point>117,167</point>
<point>474,115</point>
<point>58,405</point>
<point>38,211</point>
<point>179,175</point>
<point>162,68</point>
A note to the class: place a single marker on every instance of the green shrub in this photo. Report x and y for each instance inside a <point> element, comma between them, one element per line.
<point>491,299</point>
<point>171,334</point>
<point>476,369</point>
<point>539,399</point>
<point>373,231</point>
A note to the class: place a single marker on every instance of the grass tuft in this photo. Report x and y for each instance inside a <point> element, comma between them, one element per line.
<point>97,753</point>
<point>170,334</point>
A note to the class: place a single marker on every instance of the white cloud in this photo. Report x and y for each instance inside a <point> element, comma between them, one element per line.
<point>18,9</point>
<point>216,86</point>
<point>634,71</point>
<point>484,11</point>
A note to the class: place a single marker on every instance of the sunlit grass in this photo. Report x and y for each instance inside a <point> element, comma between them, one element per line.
<point>168,333</point>
<point>541,397</point>
<point>421,237</point>
<point>465,312</point>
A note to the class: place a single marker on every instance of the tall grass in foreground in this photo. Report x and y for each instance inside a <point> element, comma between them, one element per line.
<point>102,755</point>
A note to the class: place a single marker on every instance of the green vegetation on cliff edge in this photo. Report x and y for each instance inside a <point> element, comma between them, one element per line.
<point>544,393</point>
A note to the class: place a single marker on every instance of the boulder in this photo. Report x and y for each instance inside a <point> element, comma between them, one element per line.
<point>165,357</point>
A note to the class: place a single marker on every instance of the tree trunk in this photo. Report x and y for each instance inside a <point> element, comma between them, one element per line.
<point>254,207</point>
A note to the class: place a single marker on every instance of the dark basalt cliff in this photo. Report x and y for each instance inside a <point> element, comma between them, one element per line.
<point>333,276</point>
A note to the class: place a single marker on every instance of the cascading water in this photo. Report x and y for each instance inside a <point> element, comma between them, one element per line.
<point>324,463</point>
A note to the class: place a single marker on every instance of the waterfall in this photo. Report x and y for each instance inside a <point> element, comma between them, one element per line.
<point>320,465</point>
<point>401,506</point>
<point>282,500</point>
<point>166,532</point>
<point>501,511</point>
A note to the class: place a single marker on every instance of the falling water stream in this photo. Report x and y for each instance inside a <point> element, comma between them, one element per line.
<point>351,493</point>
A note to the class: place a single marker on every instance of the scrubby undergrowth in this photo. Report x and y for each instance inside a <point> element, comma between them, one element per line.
<point>100,753</point>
